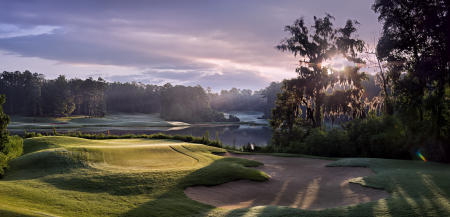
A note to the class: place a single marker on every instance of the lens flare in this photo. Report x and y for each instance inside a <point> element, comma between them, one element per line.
<point>421,156</point>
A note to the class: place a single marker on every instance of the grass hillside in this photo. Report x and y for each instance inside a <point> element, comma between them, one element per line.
<point>67,176</point>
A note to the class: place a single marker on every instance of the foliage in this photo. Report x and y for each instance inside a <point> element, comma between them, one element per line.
<point>30,94</point>
<point>415,44</point>
<point>10,150</point>
<point>94,98</point>
<point>270,93</point>
<point>237,100</point>
<point>10,146</point>
<point>4,121</point>
<point>413,58</point>
<point>133,98</point>
<point>382,137</point>
<point>189,104</point>
<point>320,90</point>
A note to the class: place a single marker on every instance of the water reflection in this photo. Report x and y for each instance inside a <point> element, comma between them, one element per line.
<point>237,135</point>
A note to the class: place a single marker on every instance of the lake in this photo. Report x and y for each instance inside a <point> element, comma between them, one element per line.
<point>255,130</point>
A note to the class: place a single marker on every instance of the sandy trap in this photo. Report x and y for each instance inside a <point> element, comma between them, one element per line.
<point>295,182</point>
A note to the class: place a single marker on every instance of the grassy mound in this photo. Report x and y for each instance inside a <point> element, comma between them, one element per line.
<point>69,176</point>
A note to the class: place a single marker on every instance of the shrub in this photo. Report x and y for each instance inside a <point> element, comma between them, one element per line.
<point>11,149</point>
<point>378,137</point>
<point>3,163</point>
<point>382,137</point>
<point>14,148</point>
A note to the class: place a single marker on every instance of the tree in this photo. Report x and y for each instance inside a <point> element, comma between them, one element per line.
<point>415,43</point>
<point>23,91</point>
<point>271,93</point>
<point>10,146</point>
<point>4,138</point>
<point>57,98</point>
<point>319,89</point>
<point>4,121</point>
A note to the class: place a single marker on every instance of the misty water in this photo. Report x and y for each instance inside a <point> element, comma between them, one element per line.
<point>255,130</point>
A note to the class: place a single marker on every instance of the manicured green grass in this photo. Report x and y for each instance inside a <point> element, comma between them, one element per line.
<point>68,176</point>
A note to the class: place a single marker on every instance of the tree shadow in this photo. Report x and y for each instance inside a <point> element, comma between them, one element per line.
<point>175,203</point>
<point>114,184</point>
<point>44,163</point>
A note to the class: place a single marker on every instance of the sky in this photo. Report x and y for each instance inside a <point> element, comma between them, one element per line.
<point>213,43</point>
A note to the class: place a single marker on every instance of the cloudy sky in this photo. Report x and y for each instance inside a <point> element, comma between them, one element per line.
<point>215,43</point>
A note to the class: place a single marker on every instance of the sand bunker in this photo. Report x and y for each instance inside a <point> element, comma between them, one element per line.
<point>295,182</point>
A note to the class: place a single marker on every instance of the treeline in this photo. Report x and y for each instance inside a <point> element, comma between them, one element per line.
<point>246,100</point>
<point>133,98</point>
<point>30,94</point>
<point>410,114</point>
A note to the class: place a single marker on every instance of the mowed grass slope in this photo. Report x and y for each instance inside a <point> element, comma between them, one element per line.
<point>67,176</point>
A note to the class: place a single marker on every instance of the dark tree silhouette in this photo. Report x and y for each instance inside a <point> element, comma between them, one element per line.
<point>4,121</point>
<point>415,43</point>
<point>313,91</point>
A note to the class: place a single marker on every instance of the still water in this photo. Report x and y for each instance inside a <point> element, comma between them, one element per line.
<point>256,131</point>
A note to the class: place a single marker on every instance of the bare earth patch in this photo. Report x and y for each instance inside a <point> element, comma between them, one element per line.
<point>295,182</point>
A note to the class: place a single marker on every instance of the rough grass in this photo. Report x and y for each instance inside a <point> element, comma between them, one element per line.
<point>67,176</point>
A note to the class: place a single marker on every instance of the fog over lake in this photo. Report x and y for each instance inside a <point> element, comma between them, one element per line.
<point>254,130</point>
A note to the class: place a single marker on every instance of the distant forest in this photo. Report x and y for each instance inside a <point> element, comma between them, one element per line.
<point>30,94</point>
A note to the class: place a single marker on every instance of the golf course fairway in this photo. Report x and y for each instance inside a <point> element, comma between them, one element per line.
<point>69,176</point>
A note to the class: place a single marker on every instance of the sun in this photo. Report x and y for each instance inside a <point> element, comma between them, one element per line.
<point>336,63</point>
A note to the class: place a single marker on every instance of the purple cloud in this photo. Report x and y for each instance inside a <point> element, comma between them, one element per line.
<point>207,42</point>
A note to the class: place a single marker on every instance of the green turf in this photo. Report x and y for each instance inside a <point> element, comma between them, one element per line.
<point>67,176</point>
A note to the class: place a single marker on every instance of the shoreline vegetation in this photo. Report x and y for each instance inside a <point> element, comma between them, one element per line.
<point>113,120</point>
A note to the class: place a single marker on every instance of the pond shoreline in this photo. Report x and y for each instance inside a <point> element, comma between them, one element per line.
<point>251,130</point>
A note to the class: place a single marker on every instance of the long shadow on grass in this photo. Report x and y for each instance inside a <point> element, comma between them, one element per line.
<point>280,211</point>
<point>114,184</point>
<point>44,163</point>
<point>175,203</point>
<point>417,189</point>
